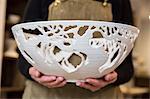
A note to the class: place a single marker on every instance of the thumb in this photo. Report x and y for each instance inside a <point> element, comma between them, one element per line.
<point>34,72</point>
<point>111,76</point>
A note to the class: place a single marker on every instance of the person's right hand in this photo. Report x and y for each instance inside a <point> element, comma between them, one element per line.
<point>46,80</point>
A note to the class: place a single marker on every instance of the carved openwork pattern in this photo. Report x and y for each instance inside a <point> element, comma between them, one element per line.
<point>75,46</point>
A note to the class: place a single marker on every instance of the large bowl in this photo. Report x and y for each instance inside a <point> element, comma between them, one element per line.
<point>75,49</point>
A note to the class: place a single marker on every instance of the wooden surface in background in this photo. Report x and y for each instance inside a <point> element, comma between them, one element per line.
<point>2,28</point>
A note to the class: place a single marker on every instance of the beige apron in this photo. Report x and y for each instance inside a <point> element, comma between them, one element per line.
<point>34,90</point>
<point>80,10</point>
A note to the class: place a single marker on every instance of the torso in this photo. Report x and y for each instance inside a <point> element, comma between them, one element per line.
<point>79,10</point>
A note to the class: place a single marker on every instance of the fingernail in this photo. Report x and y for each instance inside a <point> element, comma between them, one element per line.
<point>64,82</point>
<point>109,78</point>
<point>53,78</point>
<point>60,78</point>
<point>106,78</point>
<point>87,80</point>
<point>37,74</point>
<point>78,83</point>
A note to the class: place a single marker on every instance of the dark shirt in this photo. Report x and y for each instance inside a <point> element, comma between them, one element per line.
<point>37,10</point>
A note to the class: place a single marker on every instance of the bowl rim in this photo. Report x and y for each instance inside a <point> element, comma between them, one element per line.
<point>76,21</point>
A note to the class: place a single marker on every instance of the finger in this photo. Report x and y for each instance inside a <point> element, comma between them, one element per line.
<point>61,84</point>
<point>99,83</point>
<point>86,86</point>
<point>111,76</point>
<point>94,82</point>
<point>112,81</point>
<point>46,79</point>
<point>57,81</point>
<point>52,86</point>
<point>34,72</point>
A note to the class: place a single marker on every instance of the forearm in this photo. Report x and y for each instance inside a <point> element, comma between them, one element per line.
<point>35,11</point>
<point>125,71</point>
<point>24,66</point>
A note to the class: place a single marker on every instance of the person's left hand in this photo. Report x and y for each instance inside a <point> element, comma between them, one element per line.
<point>94,84</point>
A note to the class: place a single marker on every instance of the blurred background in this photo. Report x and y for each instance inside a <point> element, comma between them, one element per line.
<point>12,82</point>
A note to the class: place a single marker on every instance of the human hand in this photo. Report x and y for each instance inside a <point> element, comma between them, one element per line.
<point>46,80</point>
<point>94,84</point>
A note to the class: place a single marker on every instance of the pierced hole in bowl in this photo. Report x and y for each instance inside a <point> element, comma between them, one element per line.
<point>108,31</point>
<point>91,42</point>
<point>67,44</point>
<point>71,35</point>
<point>54,27</point>
<point>119,34</point>
<point>97,43</point>
<point>82,30</point>
<point>50,34</point>
<point>29,57</point>
<point>119,41</point>
<point>65,36</point>
<point>61,26</point>
<point>112,30</point>
<point>102,29</point>
<point>39,45</point>
<point>49,44</point>
<point>60,62</point>
<point>56,50</point>
<point>70,27</point>
<point>97,34</point>
<point>57,31</point>
<point>84,55</point>
<point>107,49</point>
<point>125,48</point>
<point>115,55</point>
<point>115,28</point>
<point>50,26</point>
<point>46,29</point>
<point>66,64</point>
<point>93,27</point>
<point>75,60</point>
<point>29,31</point>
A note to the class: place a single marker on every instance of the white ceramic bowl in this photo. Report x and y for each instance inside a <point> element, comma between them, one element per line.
<point>75,49</point>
